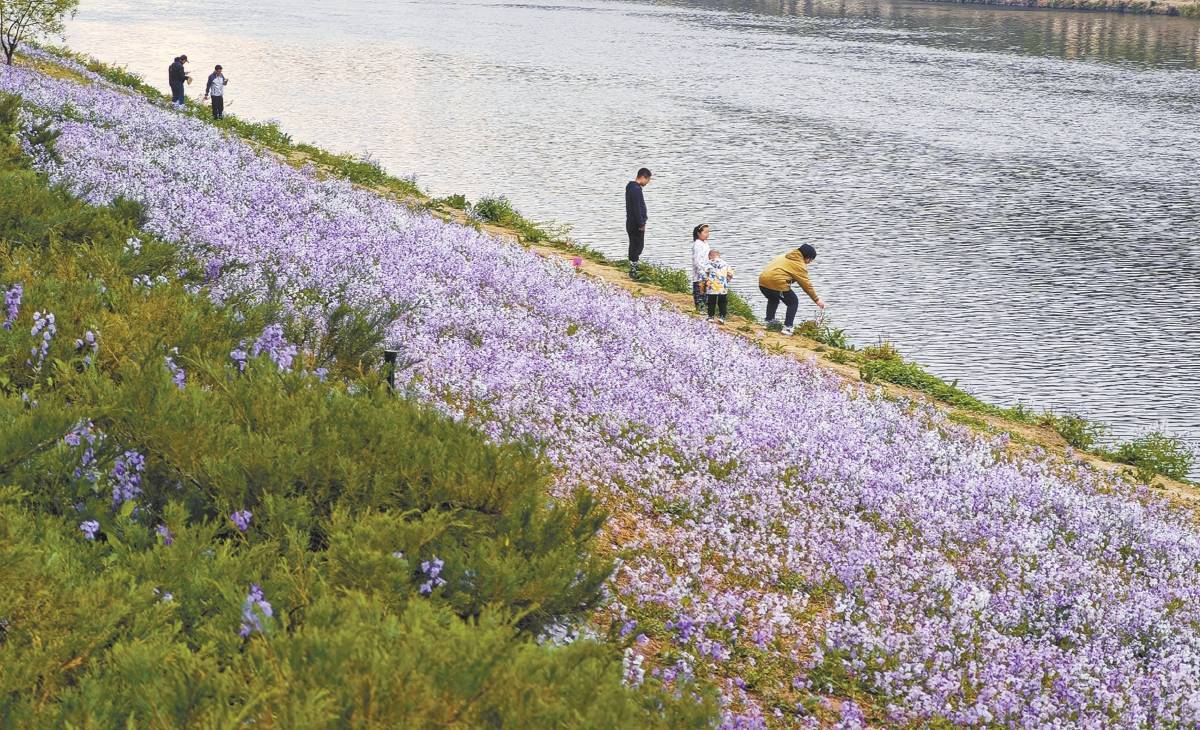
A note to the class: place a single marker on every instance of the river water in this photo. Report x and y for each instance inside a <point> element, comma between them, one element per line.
<point>1010,196</point>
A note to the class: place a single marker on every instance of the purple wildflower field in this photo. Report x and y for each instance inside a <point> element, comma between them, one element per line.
<point>771,519</point>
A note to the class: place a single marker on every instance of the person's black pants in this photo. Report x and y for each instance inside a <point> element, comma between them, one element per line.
<point>637,240</point>
<point>218,107</point>
<point>718,300</point>
<point>790,300</point>
<point>698,295</point>
<point>177,94</point>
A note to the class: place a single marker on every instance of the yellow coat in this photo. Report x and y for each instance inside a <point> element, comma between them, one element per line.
<point>784,270</point>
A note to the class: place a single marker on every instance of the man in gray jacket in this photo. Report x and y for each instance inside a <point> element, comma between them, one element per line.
<point>215,88</point>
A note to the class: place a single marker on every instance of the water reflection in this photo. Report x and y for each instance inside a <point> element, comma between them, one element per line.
<point>1109,37</point>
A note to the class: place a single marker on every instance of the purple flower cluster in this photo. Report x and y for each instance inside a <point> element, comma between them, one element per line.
<point>241,519</point>
<point>89,343</point>
<point>178,374</point>
<point>86,435</point>
<point>796,517</point>
<point>272,343</point>
<point>12,305</point>
<point>433,571</point>
<point>44,330</point>
<point>127,477</point>
<point>254,609</point>
<point>165,533</point>
<point>89,528</point>
<point>239,357</point>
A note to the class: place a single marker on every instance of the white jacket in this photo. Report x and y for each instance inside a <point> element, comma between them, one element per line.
<point>699,259</point>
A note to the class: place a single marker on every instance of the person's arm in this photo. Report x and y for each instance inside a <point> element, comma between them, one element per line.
<point>642,202</point>
<point>801,278</point>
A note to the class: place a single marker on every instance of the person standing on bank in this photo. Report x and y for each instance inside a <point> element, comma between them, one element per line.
<point>635,218</point>
<point>177,76</point>
<point>699,264</point>
<point>216,89</point>
<point>775,283</point>
<point>716,286</point>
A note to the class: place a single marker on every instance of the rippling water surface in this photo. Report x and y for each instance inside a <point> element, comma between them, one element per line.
<point>1010,196</point>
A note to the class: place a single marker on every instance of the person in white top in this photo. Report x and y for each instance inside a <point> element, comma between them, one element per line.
<point>216,89</point>
<point>699,264</point>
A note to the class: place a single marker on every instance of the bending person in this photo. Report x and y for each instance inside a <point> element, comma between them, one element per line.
<point>775,282</point>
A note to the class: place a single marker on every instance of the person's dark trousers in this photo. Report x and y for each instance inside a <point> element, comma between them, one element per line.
<point>218,107</point>
<point>698,295</point>
<point>637,241</point>
<point>177,94</point>
<point>718,300</point>
<point>790,300</point>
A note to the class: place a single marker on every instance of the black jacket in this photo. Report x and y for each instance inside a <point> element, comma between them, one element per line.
<point>177,74</point>
<point>635,204</point>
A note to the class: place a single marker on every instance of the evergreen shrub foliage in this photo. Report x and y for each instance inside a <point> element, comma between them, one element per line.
<point>196,530</point>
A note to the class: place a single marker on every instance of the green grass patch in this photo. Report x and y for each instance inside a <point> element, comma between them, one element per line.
<point>825,333</point>
<point>1155,453</point>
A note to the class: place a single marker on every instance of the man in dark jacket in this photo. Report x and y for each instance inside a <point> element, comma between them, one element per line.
<point>177,77</point>
<point>635,218</point>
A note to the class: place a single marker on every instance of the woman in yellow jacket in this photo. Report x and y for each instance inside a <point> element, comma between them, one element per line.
<point>775,282</point>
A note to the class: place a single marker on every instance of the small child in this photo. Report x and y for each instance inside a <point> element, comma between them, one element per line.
<point>716,284</point>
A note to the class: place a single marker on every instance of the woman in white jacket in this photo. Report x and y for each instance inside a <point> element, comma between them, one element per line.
<point>699,264</point>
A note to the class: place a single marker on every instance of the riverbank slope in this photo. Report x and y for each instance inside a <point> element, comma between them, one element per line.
<point>783,531</point>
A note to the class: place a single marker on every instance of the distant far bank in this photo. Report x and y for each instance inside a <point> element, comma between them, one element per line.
<point>1133,7</point>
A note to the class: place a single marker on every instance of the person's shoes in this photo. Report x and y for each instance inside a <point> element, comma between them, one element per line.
<point>786,331</point>
<point>720,320</point>
<point>772,324</point>
<point>633,270</point>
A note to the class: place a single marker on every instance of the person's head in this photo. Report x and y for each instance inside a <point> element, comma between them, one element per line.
<point>217,69</point>
<point>643,177</point>
<point>700,232</point>
<point>182,59</point>
<point>809,253</point>
<point>714,254</point>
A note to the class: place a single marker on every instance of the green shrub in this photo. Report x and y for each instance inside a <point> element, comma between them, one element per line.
<point>495,209</point>
<point>1076,430</point>
<point>1156,453</point>
<point>881,351</point>
<point>456,201</point>
<point>130,632</point>
<point>354,493</point>
<point>825,334</point>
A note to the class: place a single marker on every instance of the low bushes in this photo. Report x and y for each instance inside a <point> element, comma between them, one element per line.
<point>204,523</point>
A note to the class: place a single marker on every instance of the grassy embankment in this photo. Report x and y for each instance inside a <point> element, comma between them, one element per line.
<point>196,533</point>
<point>1150,455</point>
